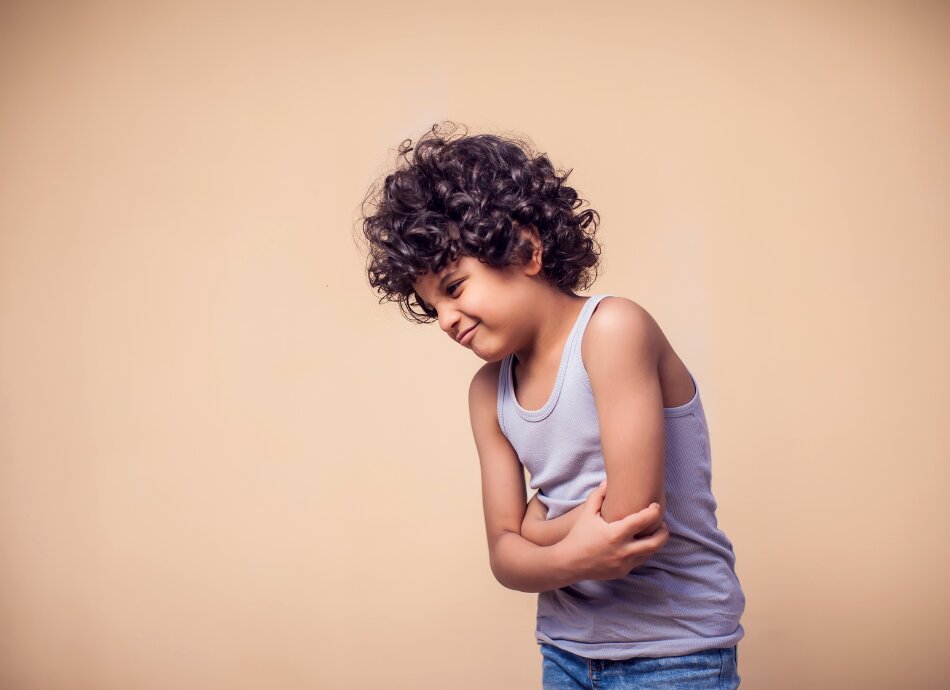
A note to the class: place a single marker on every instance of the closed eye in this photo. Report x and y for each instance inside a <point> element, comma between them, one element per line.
<point>426,308</point>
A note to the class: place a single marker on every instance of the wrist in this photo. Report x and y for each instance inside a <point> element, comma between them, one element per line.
<point>565,562</point>
<point>532,529</point>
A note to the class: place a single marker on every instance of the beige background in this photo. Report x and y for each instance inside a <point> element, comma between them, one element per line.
<point>224,465</point>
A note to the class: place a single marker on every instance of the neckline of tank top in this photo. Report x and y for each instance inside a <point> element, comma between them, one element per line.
<point>548,407</point>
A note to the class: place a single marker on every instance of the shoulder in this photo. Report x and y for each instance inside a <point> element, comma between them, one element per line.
<point>486,378</point>
<point>620,327</point>
<point>620,317</point>
<point>483,390</point>
<point>483,410</point>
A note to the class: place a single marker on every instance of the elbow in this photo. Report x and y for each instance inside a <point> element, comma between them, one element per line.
<point>504,571</point>
<point>499,574</point>
<point>504,579</point>
<point>509,583</point>
<point>495,563</point>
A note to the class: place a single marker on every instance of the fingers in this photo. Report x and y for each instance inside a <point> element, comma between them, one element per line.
<point>651,527</point>
<point>651,544</point>
<point>643,521</point>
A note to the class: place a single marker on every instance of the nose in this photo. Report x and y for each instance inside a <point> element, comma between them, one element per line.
<point>448,321</point>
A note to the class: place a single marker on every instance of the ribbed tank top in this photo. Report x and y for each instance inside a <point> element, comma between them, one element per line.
<point>686,597</point>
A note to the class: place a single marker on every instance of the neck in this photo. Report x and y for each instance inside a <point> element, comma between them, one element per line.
<point>554,317</point>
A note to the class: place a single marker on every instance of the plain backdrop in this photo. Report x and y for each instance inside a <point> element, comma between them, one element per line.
<point>224,465</point>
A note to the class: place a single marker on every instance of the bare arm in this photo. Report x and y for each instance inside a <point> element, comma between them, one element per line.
<point>621,351</point>
<point>515,562</point>
<point>537,529</point>
<point>592,550</point>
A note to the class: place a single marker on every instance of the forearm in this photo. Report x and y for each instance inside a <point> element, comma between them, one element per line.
<point>549,532</point>
<point>521,565</point>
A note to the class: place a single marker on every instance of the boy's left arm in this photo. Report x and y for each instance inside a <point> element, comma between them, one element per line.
<point>620,349</point>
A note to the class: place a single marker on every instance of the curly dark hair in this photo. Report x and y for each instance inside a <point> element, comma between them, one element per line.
<point>473,195</point>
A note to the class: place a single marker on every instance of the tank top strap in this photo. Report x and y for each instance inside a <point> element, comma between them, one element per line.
<point>569,358</point>
<point>577,336</point>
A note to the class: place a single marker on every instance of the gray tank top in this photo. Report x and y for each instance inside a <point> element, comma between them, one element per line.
<point>686,597</point>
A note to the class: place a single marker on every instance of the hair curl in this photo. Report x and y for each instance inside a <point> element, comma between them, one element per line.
<point>473,195</point>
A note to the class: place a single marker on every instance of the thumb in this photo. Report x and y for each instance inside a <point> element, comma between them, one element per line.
<point>637,522</point>
<point>595,499</point>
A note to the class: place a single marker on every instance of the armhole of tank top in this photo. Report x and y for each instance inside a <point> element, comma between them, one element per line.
<point>678,411</point>
<point>500,395</point>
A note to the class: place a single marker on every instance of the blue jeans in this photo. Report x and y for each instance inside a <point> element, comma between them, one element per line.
<point>710,669</point>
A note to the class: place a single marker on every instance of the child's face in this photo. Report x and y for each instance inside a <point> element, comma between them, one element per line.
<point>470,293</point>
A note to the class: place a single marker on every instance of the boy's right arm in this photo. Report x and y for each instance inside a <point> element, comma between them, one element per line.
<point>593,548</point>
<point>538,529</point>
<point>515,562</point>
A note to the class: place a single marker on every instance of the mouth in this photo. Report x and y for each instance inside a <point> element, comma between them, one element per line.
<point>466,336</point>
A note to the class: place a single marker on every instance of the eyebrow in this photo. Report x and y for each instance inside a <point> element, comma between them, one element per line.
<point>446,278</point>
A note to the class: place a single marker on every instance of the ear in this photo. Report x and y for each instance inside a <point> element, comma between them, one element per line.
<point>533,266</point>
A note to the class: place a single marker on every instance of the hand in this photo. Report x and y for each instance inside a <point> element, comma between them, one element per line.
<point>601,550</point>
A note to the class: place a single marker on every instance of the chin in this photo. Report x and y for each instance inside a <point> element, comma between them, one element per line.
<point>489,357</point>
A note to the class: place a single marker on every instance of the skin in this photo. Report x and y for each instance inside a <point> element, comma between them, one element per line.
<point>633,372</point>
